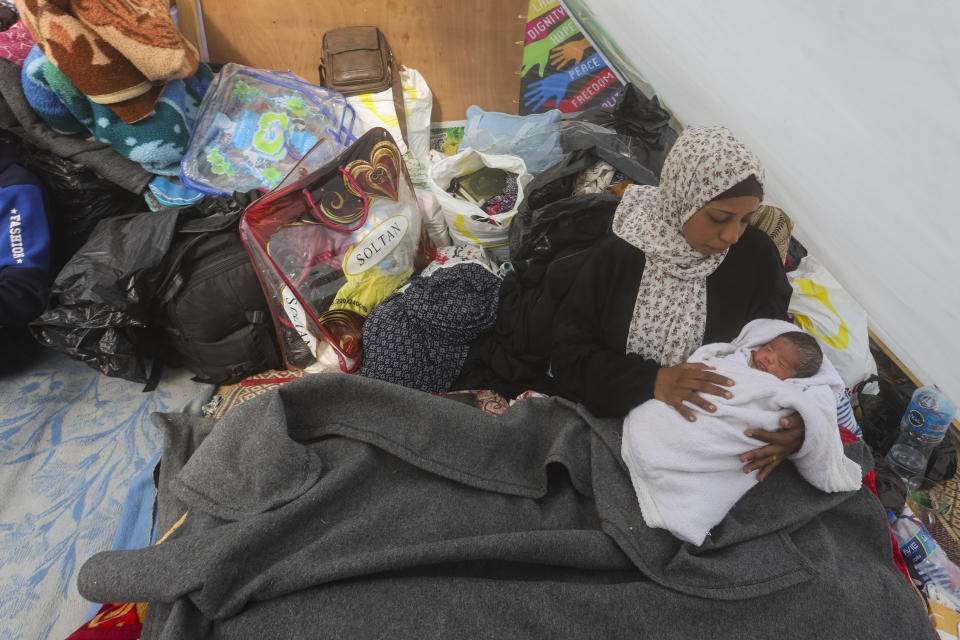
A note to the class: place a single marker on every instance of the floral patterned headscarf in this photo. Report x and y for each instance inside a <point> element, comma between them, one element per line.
<point>670,315</point>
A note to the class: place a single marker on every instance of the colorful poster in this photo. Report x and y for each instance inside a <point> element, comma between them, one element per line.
<point>445,137</point>
<point>561,68</point>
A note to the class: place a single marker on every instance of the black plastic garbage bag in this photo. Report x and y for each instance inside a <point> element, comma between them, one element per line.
<point>548,200</point>
<point>77,199</point>
<point>881,413</point>
<point>100,305</point>
<point>107,304</point>
<point>643,120</point>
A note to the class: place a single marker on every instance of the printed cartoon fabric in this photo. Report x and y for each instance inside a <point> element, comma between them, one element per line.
<point>420,337</point>
<point>255,126</point>
<point>671,310</point>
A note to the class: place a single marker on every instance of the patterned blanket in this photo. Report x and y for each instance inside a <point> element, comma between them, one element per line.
<point>118,53</point>
<point>157,141</point>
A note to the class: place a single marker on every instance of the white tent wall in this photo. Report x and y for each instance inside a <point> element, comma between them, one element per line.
<point>854,108</point>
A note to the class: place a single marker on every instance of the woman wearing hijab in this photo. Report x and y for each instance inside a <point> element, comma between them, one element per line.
<point>683,267</point>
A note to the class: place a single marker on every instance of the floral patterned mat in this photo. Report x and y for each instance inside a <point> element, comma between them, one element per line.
<point>72,442</point>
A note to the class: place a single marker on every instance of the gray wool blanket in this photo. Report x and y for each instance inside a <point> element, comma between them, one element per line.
<point>344,507</point>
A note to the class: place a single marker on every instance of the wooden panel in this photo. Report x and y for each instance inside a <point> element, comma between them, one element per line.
<point>189,22</point>
<point>469,51</point>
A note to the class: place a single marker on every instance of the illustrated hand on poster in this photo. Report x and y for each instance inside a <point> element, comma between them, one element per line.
<point>552,87</point>
<point>535,55</point>
<point>571,74</point>
<point>555,86</point>
<point>569,52</point>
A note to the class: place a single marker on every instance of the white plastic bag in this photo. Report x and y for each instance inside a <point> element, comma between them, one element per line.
<point>824,309</point>
<point>378,110</point>
<point>432,218</point>
<point>468,223</point>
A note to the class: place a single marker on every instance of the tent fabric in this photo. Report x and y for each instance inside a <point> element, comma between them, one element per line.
<point>852,110</point>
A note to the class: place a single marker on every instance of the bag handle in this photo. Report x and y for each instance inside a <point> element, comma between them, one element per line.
<point>397,91</point>
<point>330,223</point>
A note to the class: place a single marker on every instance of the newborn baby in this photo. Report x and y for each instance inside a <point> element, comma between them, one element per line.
<point>793,354</point>
<point>688,475</point>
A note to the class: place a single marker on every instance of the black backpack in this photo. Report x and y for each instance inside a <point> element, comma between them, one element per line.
<point>212,308</point>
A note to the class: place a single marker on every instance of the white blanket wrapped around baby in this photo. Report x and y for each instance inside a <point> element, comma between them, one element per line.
<point>688,475</point>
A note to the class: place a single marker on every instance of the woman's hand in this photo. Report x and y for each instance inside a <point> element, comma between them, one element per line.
<point>781,443</point>
<point>687,381</point>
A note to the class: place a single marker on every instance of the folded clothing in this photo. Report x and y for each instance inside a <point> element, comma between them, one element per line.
<point>24,243</point>
<point>156,142</point>
<point>419,337</point>
<point>118,54</point>
<point>19,119</point>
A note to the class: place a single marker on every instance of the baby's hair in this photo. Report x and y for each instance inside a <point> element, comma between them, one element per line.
<point>811,357</point>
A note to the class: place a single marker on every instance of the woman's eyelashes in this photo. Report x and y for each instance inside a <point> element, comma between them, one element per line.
<point>722,220</point>
<point>721,217</point>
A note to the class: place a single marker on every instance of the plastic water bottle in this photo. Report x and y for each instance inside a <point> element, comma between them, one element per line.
<point>922,428</point>
<point>931,562</point>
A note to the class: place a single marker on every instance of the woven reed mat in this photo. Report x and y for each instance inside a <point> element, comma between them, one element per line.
<point>236,394</point>
<point>946,529</point>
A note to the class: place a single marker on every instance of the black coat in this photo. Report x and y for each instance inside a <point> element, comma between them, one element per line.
<point>589,361</point>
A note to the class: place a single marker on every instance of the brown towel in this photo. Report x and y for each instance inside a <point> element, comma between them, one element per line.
<point>118,53</point>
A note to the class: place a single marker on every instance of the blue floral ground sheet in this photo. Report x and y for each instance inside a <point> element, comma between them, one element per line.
<point>72,442</point>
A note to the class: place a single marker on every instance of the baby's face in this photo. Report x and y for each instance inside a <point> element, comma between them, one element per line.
<point>778,357</point>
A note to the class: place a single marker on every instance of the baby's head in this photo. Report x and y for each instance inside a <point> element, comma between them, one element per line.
<point>793,354</point>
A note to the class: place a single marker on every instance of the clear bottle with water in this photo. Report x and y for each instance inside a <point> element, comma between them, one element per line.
<point>923,426</point>
<point>931,562</point>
